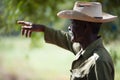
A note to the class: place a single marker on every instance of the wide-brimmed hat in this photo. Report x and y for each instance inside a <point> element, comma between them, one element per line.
<point>87,11</point>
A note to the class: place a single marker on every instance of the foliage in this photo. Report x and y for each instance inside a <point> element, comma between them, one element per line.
<point>44,12</point>
<point>110,31</point>
<point>31,10</point>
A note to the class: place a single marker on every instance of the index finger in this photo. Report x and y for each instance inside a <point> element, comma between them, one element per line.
<point>21,22</point>
<point>24,23</point>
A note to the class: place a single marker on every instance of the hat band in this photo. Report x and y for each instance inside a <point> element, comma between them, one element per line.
<point>98,17</point>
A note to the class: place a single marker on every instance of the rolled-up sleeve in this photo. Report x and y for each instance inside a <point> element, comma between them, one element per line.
<point>59,38</point>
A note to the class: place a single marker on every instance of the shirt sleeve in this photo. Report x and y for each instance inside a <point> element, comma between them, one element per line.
<point>104,71</point>
<point>59,38</point>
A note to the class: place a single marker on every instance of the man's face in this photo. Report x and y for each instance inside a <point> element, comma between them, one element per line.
<point>77,30</point>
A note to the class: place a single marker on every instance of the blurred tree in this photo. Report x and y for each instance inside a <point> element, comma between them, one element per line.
<point>44,11</point>
<point>110,31</point>
<point>36,11</point>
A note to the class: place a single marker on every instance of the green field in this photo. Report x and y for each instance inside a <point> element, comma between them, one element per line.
<point>18,61</point>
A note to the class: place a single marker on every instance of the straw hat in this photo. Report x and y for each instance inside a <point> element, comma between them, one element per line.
<point>87,11</point>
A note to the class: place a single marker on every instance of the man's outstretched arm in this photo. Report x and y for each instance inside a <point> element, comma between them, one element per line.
<point>57,37</point>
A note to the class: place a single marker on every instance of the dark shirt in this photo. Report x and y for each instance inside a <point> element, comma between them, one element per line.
<point>85,66</point>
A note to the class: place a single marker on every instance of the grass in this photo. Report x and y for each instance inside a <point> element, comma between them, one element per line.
<point>18,61</point>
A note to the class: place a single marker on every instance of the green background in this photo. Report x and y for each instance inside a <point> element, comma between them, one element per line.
<point>31,58</point>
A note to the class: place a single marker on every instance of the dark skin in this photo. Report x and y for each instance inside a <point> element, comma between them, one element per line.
<point>27,28</point>
<point>81,31</point>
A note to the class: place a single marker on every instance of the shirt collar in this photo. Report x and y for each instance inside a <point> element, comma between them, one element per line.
<point>94,45</point>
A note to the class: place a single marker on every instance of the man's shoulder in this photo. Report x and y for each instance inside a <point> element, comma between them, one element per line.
<point>104,55</point>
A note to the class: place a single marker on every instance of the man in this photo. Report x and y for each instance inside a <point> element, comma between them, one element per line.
<point>92,61</point>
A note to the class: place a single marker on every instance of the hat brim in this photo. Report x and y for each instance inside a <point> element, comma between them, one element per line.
<point>72,14</point>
